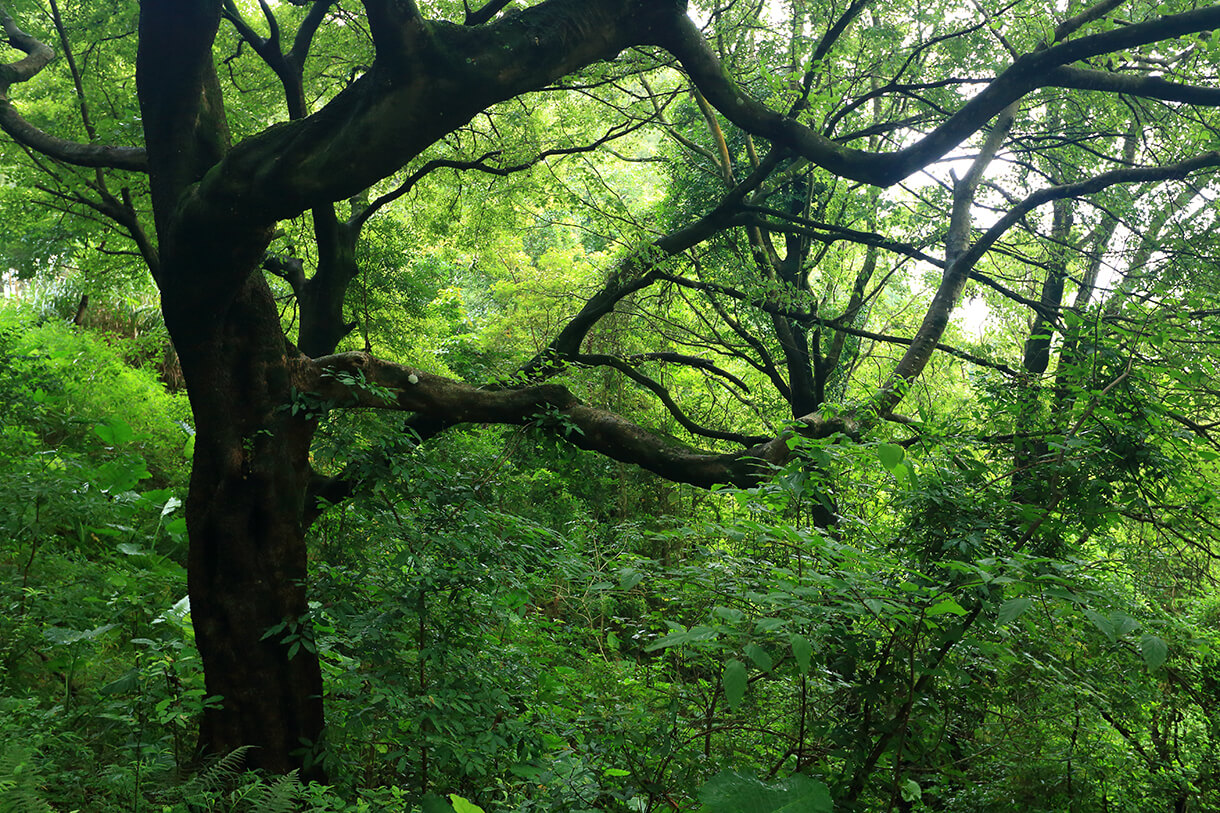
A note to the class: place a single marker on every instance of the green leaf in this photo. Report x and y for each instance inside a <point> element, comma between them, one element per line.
<point>730,792</point>
<point>733,616</point>
<point>523,770</point>
<point>171,505</point>
<point>760,657</point>
<point>679,637</point>
<point>1123,623</point>
<point>802,651</point>
<point>629,579</point>
<point>1154,650</point>
<point>176,526</point>
<point>944,607</point>
<point>127,682</point>
<point>904,472</point>
<point>1012,609</point>
<point>734,682</point>
<point>114,432</point>
<point>122,475</point>
<point>1102,623</point>
<point>890,455</point>
<point>461,805</point>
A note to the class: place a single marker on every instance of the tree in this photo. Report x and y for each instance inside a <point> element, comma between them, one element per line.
<point>893,86</point>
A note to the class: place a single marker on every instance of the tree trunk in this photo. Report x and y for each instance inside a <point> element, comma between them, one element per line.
<point>247,551</point>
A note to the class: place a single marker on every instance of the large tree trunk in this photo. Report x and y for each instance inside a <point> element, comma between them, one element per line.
<point>247,570</point>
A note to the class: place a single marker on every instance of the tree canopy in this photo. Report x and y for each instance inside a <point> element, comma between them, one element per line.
<point>770,246</point>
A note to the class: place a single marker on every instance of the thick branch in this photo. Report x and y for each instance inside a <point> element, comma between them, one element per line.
<point>1073,24</point>
<point>884,169</point>
<point>1148,87</point>
<point>484,14</point>
<point>587,427</point>
<point>184,127</point>
<point>303,40</point>
<point>409,100</point>
<point>38,56</point>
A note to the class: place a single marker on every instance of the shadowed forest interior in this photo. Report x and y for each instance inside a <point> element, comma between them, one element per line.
<point>733,406</point>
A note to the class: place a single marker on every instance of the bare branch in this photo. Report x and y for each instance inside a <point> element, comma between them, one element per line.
<point>481,164</point>
<point>934,323</point>
<point>831,324</point>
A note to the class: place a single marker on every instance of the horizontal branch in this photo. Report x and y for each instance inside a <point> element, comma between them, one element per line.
<point>1148,87</point>
<point>689,361</point>
<point>357,379</point>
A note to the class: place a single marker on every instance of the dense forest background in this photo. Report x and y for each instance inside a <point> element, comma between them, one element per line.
<point>830,490</point>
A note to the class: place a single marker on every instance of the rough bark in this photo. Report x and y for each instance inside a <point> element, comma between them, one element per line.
<point>550,405</point>
<point>247,563</point>
<point>247,566</point>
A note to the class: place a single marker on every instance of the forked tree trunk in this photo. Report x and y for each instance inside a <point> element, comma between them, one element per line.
<point>247,569</point>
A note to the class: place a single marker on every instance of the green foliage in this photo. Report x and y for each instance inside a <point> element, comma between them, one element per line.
<point>19,781</point>
<point>729,792</point>
<point>1004,600</point>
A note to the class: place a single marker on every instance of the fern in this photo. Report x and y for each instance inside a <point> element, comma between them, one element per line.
<point>19,791</point>
<point>207,787</point>
<point>227,785</point>
<point>280,796</point>
<point>224,772</point>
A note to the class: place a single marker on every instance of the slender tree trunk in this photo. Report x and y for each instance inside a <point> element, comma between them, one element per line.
<point>1030,484</point>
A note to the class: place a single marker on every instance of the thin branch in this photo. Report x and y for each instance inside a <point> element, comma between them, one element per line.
<point>1026,73</point>
<point>664,396</point>
<point>23,132</point>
